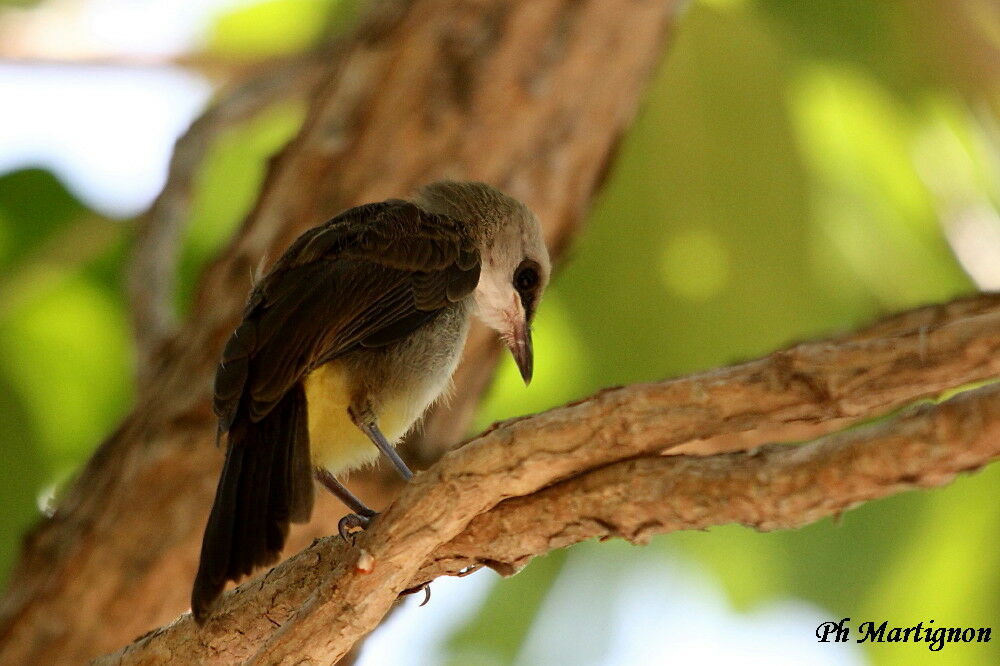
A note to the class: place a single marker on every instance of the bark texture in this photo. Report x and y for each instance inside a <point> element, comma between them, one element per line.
<point>529,96</point>
<point>596,468</point>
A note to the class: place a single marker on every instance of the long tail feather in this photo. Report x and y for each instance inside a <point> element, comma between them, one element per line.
<point>266,483</point>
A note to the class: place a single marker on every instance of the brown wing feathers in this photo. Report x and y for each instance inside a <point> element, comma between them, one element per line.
<point>368,277</point>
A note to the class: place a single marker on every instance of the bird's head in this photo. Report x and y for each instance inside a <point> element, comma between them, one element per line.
<point>514,260</point>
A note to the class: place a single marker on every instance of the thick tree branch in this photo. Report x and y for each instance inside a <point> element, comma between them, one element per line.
<point>770,488</point>
<point>424,89</point>
<point>603,455</point>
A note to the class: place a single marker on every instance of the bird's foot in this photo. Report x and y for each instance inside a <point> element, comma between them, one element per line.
<point>354,522</point>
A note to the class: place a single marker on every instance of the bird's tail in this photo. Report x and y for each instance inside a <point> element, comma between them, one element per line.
<point>266,483</point>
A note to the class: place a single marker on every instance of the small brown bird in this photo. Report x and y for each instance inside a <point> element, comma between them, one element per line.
<point>345,343</point>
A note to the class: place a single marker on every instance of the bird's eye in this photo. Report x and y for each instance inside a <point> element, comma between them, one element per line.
<point>526,277</point>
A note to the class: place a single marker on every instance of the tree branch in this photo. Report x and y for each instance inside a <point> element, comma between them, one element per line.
<point>604,455</point>
<point>770,488</point>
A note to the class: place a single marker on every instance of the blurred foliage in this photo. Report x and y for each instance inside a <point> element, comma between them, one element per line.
<point>794,172</point>
<point>276,27</point>
<point>226,186</point>
<point>64,375</point>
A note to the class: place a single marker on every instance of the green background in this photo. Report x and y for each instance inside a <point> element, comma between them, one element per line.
<point>793,172</point>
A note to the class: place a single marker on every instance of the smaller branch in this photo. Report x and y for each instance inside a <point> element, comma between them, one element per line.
<point>152,272</point>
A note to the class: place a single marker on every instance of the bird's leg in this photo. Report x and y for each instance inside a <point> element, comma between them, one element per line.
<point>367,426</point>
<point>362,516</point>
<point>331,483</point>
<point>387,449</point>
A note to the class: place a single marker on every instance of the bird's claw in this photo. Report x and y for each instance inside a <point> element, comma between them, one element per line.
<point>424,587</point>
<point>352,523</point>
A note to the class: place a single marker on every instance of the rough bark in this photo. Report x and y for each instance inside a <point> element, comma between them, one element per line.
<point>772,487</point>
<point>529,96</point>
<point>596,468</point>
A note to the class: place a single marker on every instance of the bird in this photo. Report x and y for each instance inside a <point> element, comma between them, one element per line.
<point>345,342</point>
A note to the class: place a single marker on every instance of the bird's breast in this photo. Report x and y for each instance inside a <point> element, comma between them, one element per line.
<point>336,443</point>
<point>397,383</point>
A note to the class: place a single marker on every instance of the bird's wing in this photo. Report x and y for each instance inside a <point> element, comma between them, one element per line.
<point>370,276</point>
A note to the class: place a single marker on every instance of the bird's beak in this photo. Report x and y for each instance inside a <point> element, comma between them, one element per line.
<point>520,348</point>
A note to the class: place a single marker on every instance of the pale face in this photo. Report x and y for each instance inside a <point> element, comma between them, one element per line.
<point>513,276</point>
